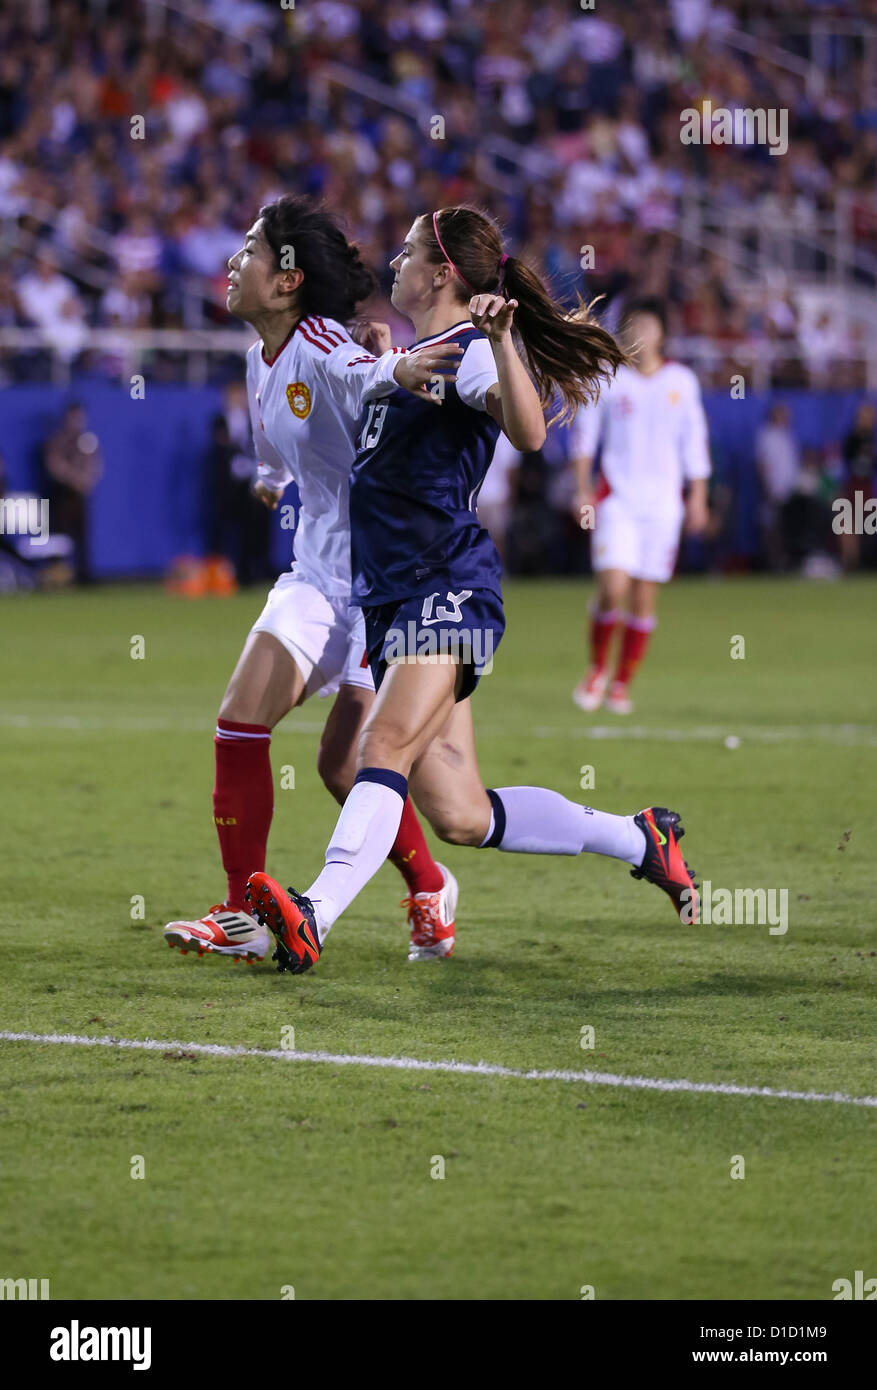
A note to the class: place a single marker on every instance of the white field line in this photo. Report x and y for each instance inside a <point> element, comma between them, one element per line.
<point>136,724</point>
<point>345,1059</point>
<point>849,735</point>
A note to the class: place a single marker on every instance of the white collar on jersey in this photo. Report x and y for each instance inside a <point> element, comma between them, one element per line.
<point>440,337</point>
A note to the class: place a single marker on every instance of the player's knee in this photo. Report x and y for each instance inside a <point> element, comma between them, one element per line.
<point>237,709</point>
<point>455,829</point>
<point>378,746</point>
<point>337,774</point>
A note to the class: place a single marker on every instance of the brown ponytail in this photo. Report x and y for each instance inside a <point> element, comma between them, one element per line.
<point>568,354</point>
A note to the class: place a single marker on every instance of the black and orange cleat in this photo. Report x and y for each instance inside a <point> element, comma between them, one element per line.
<point>290,916</point>
<point>663,863</point>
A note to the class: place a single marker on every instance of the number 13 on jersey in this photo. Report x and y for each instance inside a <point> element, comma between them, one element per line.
<point>374,423</point>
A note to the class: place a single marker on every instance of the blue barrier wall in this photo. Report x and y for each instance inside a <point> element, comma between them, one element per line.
<point>152,503</point>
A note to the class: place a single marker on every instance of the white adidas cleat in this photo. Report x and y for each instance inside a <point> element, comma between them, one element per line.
<point>589,692</point>
<point>222,932</point>
<point>618,701</point>
<point>431,918</point>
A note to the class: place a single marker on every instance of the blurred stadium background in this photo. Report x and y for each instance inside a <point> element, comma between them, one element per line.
<point>563,123</point>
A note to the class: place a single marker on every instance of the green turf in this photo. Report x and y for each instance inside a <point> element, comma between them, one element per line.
<point>261,1174</point>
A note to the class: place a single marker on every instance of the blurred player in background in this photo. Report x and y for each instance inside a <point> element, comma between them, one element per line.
<point>650,424</point>
<point>297,281</point>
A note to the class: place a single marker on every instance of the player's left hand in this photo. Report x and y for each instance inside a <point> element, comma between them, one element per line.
<point>373,335</point>
<point>268,496</point>
<point>493,315</point>
<point>696,517</point>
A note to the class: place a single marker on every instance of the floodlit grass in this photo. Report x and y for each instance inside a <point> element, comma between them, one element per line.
<point>261,1174</point>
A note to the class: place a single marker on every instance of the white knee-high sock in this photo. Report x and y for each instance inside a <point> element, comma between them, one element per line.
<point>534,820</point>
<point>362,839</point>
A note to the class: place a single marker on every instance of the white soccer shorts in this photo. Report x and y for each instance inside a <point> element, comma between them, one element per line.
<point>643,547</point>
<point>324,636</point>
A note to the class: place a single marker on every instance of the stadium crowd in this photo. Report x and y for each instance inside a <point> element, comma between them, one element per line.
<point>111,222</point>
<point>137,141</point>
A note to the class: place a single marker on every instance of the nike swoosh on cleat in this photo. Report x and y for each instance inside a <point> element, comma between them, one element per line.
<point>304,932</point>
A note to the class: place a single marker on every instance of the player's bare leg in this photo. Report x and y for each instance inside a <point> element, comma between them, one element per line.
<point>431,899</point>
<point>608,604</point>
<point>446,782</point>
<point>265,685</point>
<point>638,628</point>
<point>447,788</point>
<point>414,703</point>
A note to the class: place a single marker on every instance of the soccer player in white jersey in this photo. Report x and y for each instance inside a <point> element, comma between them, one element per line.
<point>297,280</point>
<point>654,465</point>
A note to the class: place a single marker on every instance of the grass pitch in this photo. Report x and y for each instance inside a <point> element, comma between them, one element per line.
<point>264,1174</point>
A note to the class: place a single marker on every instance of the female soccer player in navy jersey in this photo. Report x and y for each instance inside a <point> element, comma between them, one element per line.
<point>427,577</point>
<point>297,281</point>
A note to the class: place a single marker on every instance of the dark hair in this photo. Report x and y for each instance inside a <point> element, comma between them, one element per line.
<point>335,278</point>
<point>647,305</point>
<point>568,354</point>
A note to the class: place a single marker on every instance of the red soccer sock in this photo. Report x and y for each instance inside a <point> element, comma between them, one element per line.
<point>410,854</point>
<point>602,627</point>
<point>243,801</point>
<point>637,632</point>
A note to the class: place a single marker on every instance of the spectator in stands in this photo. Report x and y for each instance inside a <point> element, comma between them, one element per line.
<point>73,467</point>
<point>778,460</point>
<point>807,519</point>
<point>49,300</point>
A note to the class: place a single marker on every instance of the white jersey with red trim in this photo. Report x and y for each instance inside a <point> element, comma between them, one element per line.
<point>305,404</point>
<point>654,437</point>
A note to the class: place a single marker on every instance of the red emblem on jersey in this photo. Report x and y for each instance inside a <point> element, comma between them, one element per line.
<point>299,397</point>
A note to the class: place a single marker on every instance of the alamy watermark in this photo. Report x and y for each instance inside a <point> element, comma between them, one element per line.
<point>25,516</point>
<point>743,126</point>
<point>738,907</point>
<point>75,1343</point>
<point>415,645</point>
<point>430,638</point>
<point>24,1289</point>
<point>856,516</point>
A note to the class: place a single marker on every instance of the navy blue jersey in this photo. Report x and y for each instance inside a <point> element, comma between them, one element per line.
<point>415,482</point>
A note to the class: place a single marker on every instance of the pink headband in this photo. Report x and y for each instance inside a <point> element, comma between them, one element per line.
<point>502,260</point>
<point>447,257</point>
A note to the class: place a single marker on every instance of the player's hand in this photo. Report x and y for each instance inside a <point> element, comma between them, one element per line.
<point>493,315</point>
<point>419,372</point>
<point>267,495</point>
<point>697,517</point>
<point>582,507</point>
<point>373,335</point>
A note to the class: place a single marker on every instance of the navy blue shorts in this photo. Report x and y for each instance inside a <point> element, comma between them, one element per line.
<point>467,625</point>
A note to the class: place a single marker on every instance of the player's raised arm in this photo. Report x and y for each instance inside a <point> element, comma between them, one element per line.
<point>585,432</point>
<point>512,400</point>
<point>355,376</point>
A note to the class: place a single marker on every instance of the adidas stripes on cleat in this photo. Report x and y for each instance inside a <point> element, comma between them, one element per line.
<point>663,863</point>
<point>223,931</point>
<point>290,916</point>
